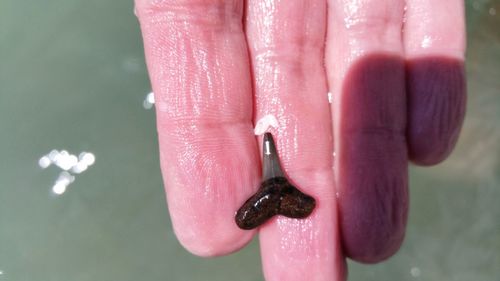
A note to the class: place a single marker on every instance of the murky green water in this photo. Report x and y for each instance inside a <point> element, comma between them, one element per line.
<point>72,77</point>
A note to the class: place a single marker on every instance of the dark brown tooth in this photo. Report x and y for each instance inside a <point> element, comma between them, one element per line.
<point>260,207</point>
<point>276,195</point>
<point>294,203</point>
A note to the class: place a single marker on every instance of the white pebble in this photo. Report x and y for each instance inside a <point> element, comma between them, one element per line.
<point>263,124</point>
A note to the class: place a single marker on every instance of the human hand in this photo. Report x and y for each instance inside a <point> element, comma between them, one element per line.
<point>218,66</point>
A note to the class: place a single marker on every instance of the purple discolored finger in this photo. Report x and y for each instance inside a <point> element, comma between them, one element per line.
<point>366,75</point>
<point>434,39</point>
<point>372,163</point>
<point>436,107</point>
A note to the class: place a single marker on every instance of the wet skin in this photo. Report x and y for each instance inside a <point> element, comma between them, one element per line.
<point>215,73</point>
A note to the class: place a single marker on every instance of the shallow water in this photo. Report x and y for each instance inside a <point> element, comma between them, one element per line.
<point>72,77</point>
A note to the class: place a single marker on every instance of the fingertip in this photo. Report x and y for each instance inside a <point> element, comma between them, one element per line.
<point>436,107</point>
<point>203,200</point>
<point>375,248</point>
<point>371,162</point>
<point>424,151</point>
<point>206,245</point>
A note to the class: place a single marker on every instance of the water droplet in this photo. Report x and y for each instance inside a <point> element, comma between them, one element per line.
<point>149,101</point>
<point>426,42</point>
<point>151,98</point>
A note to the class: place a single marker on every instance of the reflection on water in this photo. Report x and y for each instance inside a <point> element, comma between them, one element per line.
<point>149,101</point>
<point>415,272</point>
<point>484,5</point>
<point>62,183</point>
<point>69,164</point>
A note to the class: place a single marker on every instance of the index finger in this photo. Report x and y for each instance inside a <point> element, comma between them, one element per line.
<point>198,65</point>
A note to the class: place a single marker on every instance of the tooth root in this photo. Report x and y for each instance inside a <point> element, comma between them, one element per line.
<point>259,208</point>
<point>295,204</point>
<point>275,196</point>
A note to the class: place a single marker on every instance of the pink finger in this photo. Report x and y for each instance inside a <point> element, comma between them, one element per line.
<point>365,67</point>
<point>286,40</point>
<point>198,64</point>
<point>434,45</point>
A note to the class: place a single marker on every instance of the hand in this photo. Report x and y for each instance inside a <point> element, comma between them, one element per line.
<point>398,93</point>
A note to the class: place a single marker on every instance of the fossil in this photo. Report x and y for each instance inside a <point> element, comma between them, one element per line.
<point>276,195</point>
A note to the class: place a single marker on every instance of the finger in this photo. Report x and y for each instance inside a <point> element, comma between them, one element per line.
<point>366,77</point>
<point>198,65</point>
<point>434,36</point>
<point>286,40</point>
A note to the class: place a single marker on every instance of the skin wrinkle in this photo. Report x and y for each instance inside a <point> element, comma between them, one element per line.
<point>195,54</point>
<point>212,15</point>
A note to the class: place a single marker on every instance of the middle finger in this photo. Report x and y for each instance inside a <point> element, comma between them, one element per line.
<point>286,44</point>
